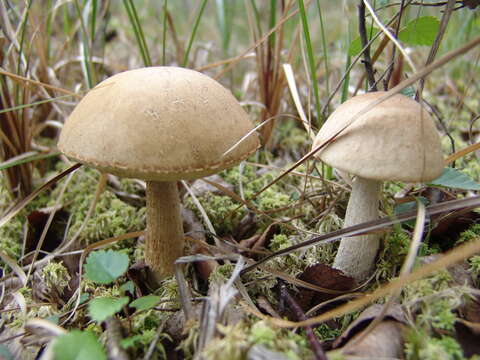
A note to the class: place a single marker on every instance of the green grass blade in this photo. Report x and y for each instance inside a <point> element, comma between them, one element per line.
<point>164,35</point>
<point>23,106</point>
<point>29,158</point>
<point>225,10</point>
<point>257,16</point>
<point>138,31</point>
<point>325,48</point>
<point>311,59</point>
<point>272,21</point>
<point>93,22</point>
<point>194,32</point>
<point>21,53</point>
<point>86,58</point>
<point>49,30</point>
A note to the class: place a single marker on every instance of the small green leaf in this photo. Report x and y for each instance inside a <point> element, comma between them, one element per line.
<point>129,287</point>
<point>453,178</point>
<point>5,354</point>
<point>53,319</point>
<point>420,31</point>
<point>408,91</point>
<point>84,297</point>
<point>145,302</point>
<point>103,267</point>
<point>409,206</point>
<point>101,308</point>
<point>356,44</point>
<point>78,345</point>
<point>126,343</point>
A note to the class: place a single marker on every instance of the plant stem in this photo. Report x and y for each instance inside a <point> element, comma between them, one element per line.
<point>366,52</point>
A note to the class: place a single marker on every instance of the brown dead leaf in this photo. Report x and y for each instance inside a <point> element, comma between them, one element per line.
<point>468,337</point>
<point>394,312</point>
<point>326,277</point>
<point>385,341</point>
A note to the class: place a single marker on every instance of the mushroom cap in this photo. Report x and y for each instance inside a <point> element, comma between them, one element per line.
<point>158,124</point>
<point>394,140</point>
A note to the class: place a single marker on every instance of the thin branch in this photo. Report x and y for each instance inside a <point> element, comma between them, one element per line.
<point>367,61</point>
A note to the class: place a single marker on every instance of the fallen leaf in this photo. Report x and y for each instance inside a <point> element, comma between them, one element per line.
<point>326,277</point>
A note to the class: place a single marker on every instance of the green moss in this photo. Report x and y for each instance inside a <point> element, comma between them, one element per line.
<point>468,235</point>
<point>474,269</point>
<point>238,339</point>
<point>272,199</point>
<point>287,342</point>
<point>291,137</point>
<point>396,246</point>
<point>327,333</point>
<point>55,275</point>
<point>421,346</point>
<point>220,212</point>
<point>434,300</point>
<point>112,217</point>
<point>221,273</point>
<point>11,237</point>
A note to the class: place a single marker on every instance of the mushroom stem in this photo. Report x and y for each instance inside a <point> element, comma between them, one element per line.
<point>164,240</point>
<point>356,254</point>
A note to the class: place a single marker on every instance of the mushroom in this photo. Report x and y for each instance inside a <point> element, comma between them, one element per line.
<point>159,124</point>
<point>395,140</point>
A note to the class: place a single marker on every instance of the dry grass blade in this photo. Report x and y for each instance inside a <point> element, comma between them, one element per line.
<point>461,153</point>
<point>24,202</point>
<point>395,90</point>
<point>374,225</point>
<point>452,257</point>
<point>287,68</point>
<point>49,326</point>
<point>14,266</point>
<point>390,35</point>
<point>199,207</point>
<point>406,268</point>
<point>49,222</point>
<point>260,41</point>
<point>27,81</point>
<point>271,81</point>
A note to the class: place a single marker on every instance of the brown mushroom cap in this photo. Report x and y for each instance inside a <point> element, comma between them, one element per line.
<point>395,140</point>
<point>158,124</point>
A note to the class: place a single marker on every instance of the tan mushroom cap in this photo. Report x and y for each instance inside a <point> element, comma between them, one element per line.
<point>395,140</point>
<point>158,124</point>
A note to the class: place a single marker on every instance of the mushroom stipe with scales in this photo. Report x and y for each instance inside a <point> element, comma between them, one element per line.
<point>159,124</point>
<point>395,140</point>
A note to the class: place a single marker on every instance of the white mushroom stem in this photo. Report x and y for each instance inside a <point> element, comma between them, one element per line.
<point>356,254</point>
<point>164,240</point>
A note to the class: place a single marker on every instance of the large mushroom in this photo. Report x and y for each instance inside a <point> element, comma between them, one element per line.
<point>160,124</point>
<point>395,140</point>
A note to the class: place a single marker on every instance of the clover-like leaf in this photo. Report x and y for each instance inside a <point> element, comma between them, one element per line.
<point>101,308</point>
<point>356,44</point>
<point>78,345</point>
<point>453,178</point>
<point>103,267</point>
<point>420,31</point>
<point>145,302</point>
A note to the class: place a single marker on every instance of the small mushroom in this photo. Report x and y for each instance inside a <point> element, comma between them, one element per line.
<point>159,124</point>
<point>395,140</point>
